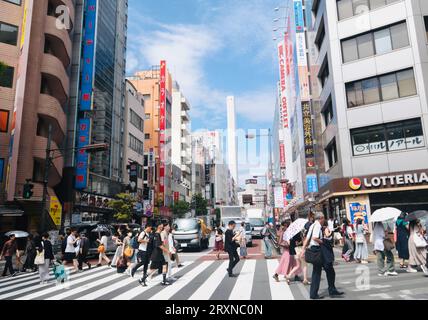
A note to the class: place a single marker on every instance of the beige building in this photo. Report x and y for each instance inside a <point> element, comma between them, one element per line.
<point>39,93</point>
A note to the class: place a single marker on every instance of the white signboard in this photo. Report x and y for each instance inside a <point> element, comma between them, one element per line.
<point>279,197</point>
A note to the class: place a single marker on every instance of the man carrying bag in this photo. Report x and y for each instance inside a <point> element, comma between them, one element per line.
<point>320,258</point>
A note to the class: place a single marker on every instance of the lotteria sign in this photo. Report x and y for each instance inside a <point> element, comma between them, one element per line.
<point>399,180</point>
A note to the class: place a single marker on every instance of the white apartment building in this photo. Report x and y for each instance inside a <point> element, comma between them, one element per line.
<point>181,155</point>
<point>134,134</point>
<point>373,75</point>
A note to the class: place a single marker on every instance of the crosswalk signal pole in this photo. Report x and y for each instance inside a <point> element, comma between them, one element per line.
<point>45,180</point>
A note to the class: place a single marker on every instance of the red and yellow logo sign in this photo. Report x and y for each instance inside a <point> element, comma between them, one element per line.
<point>355,184</point>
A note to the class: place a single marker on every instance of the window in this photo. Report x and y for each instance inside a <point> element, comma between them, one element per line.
<point>136,145</point>
<point>8,33</point>
<point>18,2</point>
<point>137,121</point>
<point>319,39</point>
<point>349,8</point>
<point>426,25</point>
<point>328,113</point>
<point>381,88</point>
<point>406,83</point>
<point>1,169</point>
<point>389,87</point>
<point>324,72</point>
<point>147,136</point>
<point>331,154</point>
<point>147,116</point>
<point>388,137</point>
<point>6,80</point>
<point>4,120</point>
<point>375,42</point>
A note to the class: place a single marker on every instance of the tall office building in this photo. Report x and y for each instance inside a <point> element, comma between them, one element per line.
<point>35,53</point>
<point>373,109</point>
<point>97,108</point>
<point>232,140</point>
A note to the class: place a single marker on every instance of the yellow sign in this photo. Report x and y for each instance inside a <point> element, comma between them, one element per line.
<point>55,211</point>
<point>24,25</point>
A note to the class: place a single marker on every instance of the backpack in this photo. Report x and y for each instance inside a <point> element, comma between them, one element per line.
<point>134,243</point>
<point>151,244</point>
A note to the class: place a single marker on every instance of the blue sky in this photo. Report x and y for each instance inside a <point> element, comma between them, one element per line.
<point>214,48</point>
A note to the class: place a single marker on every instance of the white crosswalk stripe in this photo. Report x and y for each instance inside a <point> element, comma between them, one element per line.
<point>88,285</point>
<point>188,277</point>
<point>244,284</point>
<point>207,289</point>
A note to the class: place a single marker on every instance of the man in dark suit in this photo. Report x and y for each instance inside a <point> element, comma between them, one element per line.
<point>83,252</point>
<point>231,247</point>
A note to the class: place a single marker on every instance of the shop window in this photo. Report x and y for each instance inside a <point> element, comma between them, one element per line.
<point>4,121</point>
<point>147,136</point>
<point>394,136</point>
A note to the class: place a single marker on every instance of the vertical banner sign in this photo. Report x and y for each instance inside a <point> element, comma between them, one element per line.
<point>86,95</point>
<point>312,183</point>
<point>307,130</point>
<point>82,159</point>
<point>279,197</point>
<point>298,16</point>
<point>302,60</point>
<point>282,84</point>
<point>285,194</point>
<point>18,106</point>
<point>162,128</point>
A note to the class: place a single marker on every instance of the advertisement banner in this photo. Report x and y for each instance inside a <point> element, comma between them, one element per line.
<point>279,197</point>
<point>87,82</point>
<point>312,183</point>
<point>298,16</point>
<point>82,159</point>
<point>285,194</point>
<point>55,211</point>
<point>308,131</point>
<point>162,128</point>
<point>358,211</point>
<point>282,158</point>
<point>283,85</point>
<point>302,63</point>
<point>18,106</point>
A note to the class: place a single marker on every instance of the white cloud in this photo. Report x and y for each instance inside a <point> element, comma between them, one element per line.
<point>257,106</point>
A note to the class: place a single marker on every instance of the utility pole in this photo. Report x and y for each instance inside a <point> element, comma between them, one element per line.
<point>46,179</point>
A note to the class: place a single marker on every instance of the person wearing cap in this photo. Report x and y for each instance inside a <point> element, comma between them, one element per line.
<point>231,247</point>
<point>9,249</point>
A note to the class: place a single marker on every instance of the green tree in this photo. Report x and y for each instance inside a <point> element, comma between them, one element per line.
<point>180,208</point>
<point>199,204</point>
<point>123,206</point>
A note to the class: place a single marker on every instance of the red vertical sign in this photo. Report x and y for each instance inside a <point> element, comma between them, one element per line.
<point>162,128</point>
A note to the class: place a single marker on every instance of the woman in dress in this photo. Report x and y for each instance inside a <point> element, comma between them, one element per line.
<point>418,252</point>
<point>348,249</point>
<point>287,262</point>
<point>30,251</point>
<point>219,242</point>
<point>118,238</point>
<point>361,249</point>
<point>242,242</point>
<point>46,246</point>
<point>402,241</point>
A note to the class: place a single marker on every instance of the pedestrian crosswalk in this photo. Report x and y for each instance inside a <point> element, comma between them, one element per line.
<point>196,280</point>
<point>208,280</point>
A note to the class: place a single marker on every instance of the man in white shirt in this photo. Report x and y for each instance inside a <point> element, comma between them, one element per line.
<point>331,224</point>
<point>315,243</point>
<point>382,253</point>
<point>142,255</point>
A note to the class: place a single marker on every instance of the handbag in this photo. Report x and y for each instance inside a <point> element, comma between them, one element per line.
<point>388,244</point>
<point>313,255</point>
<point>128,252</point>
<point>101,248</point>
<point>419,241</point>
<point>40,258</point>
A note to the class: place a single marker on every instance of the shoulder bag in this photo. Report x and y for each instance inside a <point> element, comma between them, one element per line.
<point>419,241</point>
<point>313,255</point>
<point>40,257</point>
<point>388,244</point>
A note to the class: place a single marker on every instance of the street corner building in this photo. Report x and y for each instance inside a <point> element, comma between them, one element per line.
<point>364,136</point>
<point>62,88</point>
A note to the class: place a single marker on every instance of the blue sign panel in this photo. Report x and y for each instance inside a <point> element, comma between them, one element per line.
<point>358,211</point>
<point>88,56</point>
<point>1,169</point>
<point>312,183</point>
<point>298,13</point>
<point>82,159</point>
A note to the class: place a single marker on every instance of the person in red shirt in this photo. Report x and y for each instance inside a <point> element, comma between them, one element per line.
<point>9,249</point>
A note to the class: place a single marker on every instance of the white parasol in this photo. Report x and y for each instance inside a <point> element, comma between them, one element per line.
<point>385,214</point>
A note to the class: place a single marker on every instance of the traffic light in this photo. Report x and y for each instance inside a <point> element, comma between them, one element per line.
<point>28,190</point>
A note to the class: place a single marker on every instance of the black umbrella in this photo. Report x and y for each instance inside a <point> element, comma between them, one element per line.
<point>417,215</point>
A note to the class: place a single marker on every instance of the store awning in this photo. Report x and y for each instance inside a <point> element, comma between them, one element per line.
<point>10,212</point>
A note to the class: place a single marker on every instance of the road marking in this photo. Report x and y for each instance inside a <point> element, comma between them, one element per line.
<point>99,293</point>
<point>206,290</point>
<point>131,294</point>
<point>381,295</point>
<point>81,277</point>
<point>85,287</point>
<point>244,283</point>
<point>279,291</point>
<point>303,290</point>
<point>168,292</point>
